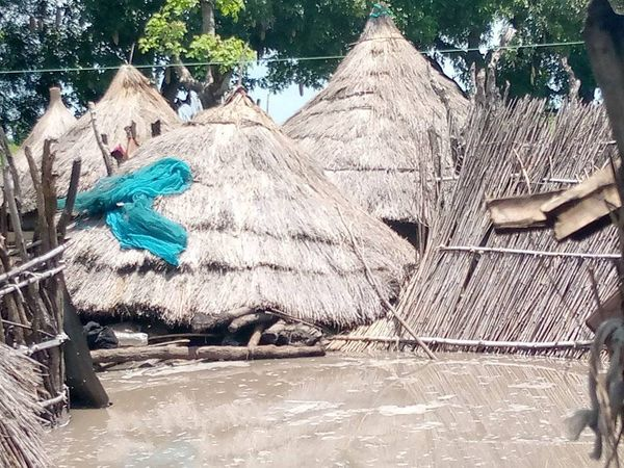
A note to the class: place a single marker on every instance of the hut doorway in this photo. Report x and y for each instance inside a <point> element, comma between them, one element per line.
<point>415,233</point>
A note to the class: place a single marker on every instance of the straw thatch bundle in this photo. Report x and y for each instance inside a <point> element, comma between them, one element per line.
<point>381,127</point>
<point>462,292</point>
<point>129,98</point>
<point>21,433</point>
<point>265,231</point>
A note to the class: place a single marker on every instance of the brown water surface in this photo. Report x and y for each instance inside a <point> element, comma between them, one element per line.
<point>461,411</point>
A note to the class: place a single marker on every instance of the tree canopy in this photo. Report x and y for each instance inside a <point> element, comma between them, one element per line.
<point>38,34</point>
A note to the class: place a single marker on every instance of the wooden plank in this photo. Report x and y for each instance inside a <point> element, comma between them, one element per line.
<point>595,183</point>
<point>520,212</point>
<point>586,211</point>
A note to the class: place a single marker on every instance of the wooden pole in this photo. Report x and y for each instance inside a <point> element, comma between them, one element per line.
<point>7,160</point>
<point>41,206</point>
<point>390,310</point>
<point>106,154</point>
<point>33,263</point>
<point>535,253</point>
<point>204,353</point>
<point>16,222</point>
<point>520,345</point>
<point>36,278</point>
<point>70,199</point>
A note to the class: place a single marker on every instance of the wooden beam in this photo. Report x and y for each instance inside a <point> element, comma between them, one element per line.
<point>204,353</point>
<point>520,212</point>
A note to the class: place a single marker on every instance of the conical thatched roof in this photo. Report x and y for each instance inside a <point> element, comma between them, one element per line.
<point>380,128</point>
<point>264,228</point>
<point>129,98</point>
<point>56,120</point>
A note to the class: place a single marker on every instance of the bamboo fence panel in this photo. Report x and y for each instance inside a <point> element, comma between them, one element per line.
<point>466,294</point>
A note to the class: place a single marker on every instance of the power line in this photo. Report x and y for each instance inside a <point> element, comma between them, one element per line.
<point>290,59</point>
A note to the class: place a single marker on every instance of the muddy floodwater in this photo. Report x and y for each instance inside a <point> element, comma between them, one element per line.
<point>461,411</point>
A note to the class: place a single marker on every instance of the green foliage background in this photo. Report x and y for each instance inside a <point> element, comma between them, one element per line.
<point>70,33</point>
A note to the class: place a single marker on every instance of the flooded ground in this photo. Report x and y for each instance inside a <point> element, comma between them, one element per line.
<point>461,411</point>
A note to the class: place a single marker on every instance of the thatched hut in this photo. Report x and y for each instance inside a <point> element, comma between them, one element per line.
<point>130,99</point>
<point>265,231</point>
<point>381,128</point>
<point>55,121</point>
<point>523,291</point>
<point>21,443</point>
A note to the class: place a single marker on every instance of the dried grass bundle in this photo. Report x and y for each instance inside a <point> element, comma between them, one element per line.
<point>129,98</point>
<point>501,296</point>
<point>381,127</point>
<point>21,432</point>
<point>264,232</point>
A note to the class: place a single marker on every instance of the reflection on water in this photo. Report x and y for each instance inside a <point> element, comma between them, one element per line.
<point>334,411</point>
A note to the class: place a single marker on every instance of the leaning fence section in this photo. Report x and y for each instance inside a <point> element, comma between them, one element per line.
<point>476,288</point>
<point>31,277</point>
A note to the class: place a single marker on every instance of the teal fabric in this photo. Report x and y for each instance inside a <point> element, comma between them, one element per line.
<point>380,10</point>
<point>127,203</point>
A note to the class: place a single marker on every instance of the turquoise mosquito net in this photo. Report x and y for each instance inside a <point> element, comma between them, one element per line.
<point>127,202</point>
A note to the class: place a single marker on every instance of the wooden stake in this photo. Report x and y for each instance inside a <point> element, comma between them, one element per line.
<point>70,200</point>
<point>32,263</point>
<point>254,340</point>
<point>7,157</point>
<point>41,207</point>
<point>536,253</point>
<point>106,154</point>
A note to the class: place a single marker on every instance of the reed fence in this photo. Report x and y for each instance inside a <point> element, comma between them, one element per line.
<point>476,285</point>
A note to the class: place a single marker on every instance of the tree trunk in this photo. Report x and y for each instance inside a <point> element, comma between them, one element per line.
<point>204,353</point>
<point>85,388</point>
<point>604,36</point>
<point>208,19</point>
<point>215,84</point>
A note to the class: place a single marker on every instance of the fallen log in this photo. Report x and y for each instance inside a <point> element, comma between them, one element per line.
<point>204,353</point>
<point>272,334</point>
<point>203,322</point>
<point>259,318</point>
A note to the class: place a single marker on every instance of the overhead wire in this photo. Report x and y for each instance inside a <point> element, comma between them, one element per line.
<point>279,60</point>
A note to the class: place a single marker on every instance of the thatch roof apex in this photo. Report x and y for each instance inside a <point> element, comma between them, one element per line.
<point>54,122</point>
<point>381,127</point>
<point>265,231</point>
<point>127,80</point>
<point>238,108</point>
<point>55,95</point>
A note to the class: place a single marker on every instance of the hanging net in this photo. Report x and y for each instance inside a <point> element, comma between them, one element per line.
<point>127,203</point>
